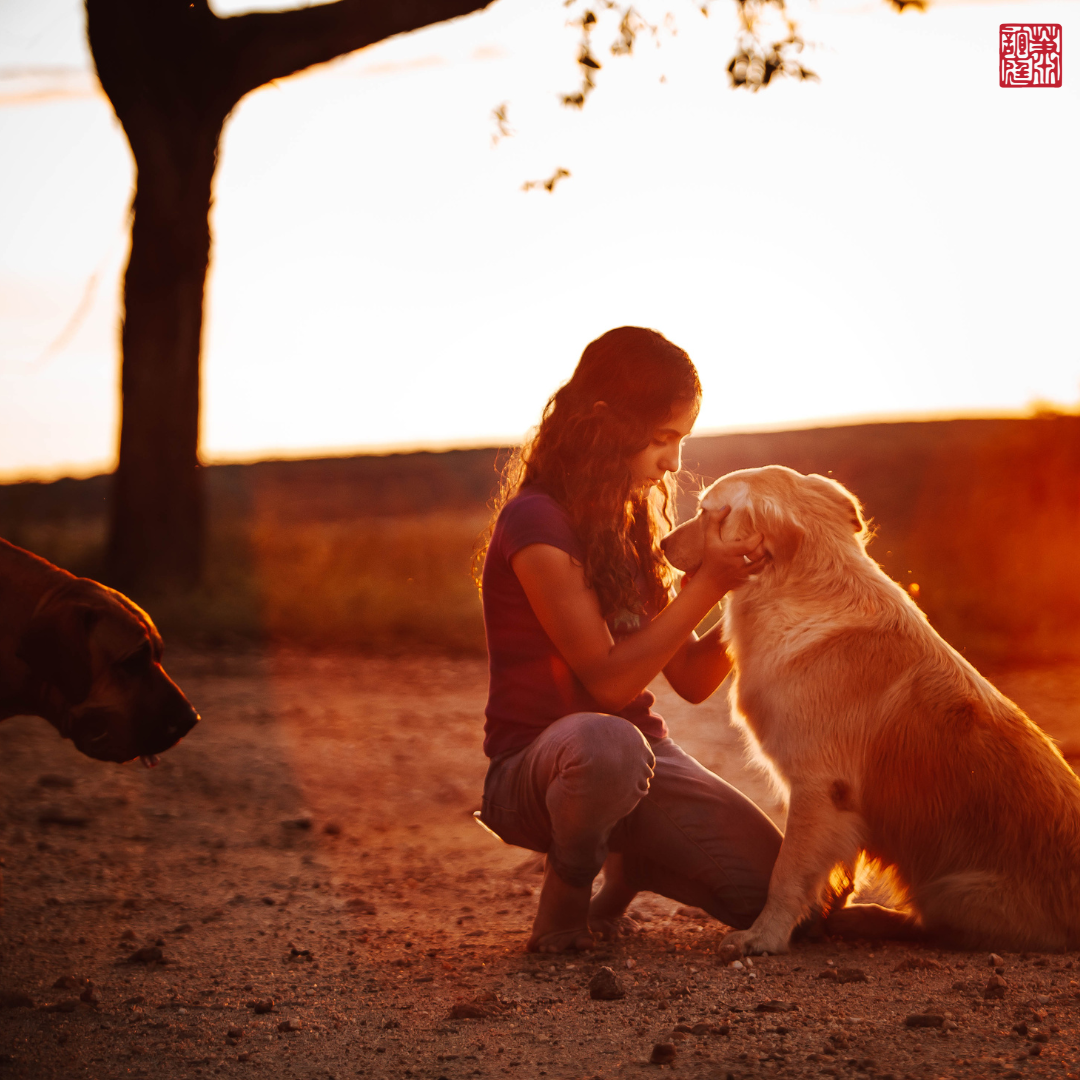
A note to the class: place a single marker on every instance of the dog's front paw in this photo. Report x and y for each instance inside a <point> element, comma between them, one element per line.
<point>740,943</point>
<point>737,944</point>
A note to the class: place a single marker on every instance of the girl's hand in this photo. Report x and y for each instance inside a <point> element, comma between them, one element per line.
<point>724,562</point>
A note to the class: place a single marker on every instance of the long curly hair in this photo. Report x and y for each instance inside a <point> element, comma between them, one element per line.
<point>579,454</point>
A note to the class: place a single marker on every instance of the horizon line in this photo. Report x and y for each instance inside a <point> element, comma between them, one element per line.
<point>69,471</point>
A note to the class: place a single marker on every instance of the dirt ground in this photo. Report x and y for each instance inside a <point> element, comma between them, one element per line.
<point>311,844</point>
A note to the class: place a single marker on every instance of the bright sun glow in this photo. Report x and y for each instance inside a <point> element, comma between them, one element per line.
<point>900,238</point>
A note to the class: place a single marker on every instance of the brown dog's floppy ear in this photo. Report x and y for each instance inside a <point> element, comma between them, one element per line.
<point>142,616</point>
<point>56,648</point>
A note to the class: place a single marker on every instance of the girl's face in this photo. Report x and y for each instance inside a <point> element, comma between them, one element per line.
<point>664,452</point>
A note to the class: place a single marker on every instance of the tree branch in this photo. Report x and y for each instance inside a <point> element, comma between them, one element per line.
<point>270,45</point>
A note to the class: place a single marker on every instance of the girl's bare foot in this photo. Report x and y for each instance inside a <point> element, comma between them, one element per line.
<point>562,919</point>
<point>607,912</point>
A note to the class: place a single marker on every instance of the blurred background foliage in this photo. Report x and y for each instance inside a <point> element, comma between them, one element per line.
<point>373,553</point>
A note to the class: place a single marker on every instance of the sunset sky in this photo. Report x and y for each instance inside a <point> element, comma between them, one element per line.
<point>901,238</point>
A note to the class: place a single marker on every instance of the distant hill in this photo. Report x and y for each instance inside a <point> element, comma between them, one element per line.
<point>984,515</point>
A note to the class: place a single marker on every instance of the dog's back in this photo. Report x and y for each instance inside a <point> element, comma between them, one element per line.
<point>977,808</point>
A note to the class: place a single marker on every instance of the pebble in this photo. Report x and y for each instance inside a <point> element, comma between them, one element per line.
<point>712,1029</point>
<point>290,1025</point>
<point>923,1020</point>
<point>148,954</point>
<point>235,1033</point>
<point>849,975</point>
<point>266,1005</point>
<point>996,961</point>
<point>663,1054</point>
<point>605,986</point>
<point>738,965</point>
<point>777,1006</point>
<point>995,987</point>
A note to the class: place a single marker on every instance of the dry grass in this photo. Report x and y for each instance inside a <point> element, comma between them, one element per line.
<point>380,584</point>
<point>386,583</point>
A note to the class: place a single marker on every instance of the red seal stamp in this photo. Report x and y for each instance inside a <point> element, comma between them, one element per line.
<point>1029,54</point>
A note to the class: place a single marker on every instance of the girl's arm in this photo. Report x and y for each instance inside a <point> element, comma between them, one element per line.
<point>699,666</point>
<point>569,612</point>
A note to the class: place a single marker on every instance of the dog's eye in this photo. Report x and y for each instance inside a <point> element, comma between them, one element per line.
<point>137,662</point>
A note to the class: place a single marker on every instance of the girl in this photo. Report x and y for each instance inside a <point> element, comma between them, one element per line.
<point>580,617</point>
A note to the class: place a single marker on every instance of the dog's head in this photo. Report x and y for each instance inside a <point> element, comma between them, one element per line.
<point>783,505</point>
<point>98,656</point>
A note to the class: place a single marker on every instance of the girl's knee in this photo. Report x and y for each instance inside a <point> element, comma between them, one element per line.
<point>612,746</point>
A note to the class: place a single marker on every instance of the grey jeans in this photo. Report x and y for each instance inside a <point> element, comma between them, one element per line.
<point>592,783</point>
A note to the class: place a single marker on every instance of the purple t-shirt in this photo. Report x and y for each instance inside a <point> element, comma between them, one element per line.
<point>530,684</point>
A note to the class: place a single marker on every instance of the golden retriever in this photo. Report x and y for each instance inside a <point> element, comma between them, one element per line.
<point>892,748</point>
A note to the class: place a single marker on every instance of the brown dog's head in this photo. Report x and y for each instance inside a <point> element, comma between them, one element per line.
<point>98,656</point>
<point>783,505</point>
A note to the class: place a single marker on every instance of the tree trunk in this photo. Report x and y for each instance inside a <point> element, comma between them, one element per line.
<point>173,71</point>
<point>157,534</point>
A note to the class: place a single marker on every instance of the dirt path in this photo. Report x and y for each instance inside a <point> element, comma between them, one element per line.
<point>312,844</point>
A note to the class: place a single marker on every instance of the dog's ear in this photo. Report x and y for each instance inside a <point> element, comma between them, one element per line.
<point>783,532</point>
<point>55,646</point>
<point>134,609</point>
<point>845,502</point>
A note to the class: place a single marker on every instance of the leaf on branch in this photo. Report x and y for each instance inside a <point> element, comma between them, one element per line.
<point>631,25</point>
<point>502,123</point>
<point>756,63</point>
<point>549,184</point>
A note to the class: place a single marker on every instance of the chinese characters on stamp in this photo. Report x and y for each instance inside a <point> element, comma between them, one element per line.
<point>1029,54</point>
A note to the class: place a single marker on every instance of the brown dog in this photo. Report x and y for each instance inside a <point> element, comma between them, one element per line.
<point>890,745</point>
<point>87,660</point>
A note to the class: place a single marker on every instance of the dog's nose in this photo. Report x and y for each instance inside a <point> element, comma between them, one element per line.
<point>179,728</point>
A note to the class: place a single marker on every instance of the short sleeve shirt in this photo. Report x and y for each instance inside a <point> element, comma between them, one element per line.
<point>530,684</point>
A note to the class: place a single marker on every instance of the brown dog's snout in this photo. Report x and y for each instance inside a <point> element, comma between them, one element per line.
<point>170,725</point>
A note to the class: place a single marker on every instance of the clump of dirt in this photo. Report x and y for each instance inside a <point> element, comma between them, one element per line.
<point>300,890</point>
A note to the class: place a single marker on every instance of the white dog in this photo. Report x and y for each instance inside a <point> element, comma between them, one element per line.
<point>890,745</point>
